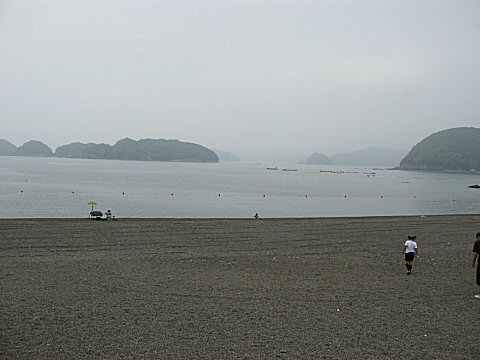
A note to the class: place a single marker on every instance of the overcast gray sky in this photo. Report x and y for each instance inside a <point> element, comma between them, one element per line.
<point>259,78</point>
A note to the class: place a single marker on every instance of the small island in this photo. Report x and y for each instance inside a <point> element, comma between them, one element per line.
<point>318,159</point>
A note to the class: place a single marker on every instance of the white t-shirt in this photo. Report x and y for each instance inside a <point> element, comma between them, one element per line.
<point>411,246</point>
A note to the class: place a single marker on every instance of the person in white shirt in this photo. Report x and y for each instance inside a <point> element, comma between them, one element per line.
<point>410,249</point>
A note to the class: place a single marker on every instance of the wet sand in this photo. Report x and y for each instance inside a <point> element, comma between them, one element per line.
<point>237,289</point>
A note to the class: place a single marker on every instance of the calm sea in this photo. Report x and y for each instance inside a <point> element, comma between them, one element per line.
<point>51,187</point>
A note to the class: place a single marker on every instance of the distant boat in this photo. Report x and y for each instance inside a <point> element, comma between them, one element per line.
<point>333,171</point>
<point>285,169</point>
<point>272,168</point>
<point>474,186</point>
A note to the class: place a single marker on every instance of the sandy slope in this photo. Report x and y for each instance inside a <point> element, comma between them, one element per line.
<point>236,289</point>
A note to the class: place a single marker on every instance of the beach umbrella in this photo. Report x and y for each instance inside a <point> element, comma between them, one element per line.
<point>92,203</point>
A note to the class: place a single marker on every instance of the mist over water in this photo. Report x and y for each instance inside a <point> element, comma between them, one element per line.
<point>61,188</point>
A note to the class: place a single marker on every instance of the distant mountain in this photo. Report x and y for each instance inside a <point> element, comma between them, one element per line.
<point>318,159</point>
<point>371,156</point>
<point>226,156</point>
<point>33,148</point>
<point>144,150</point>
<point>456,149</point>
<point>6,147</point>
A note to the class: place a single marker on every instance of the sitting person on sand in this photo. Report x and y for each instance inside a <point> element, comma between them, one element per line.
<point>410,248</point>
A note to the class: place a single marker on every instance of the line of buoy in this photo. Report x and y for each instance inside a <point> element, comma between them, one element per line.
<point>264,195</point>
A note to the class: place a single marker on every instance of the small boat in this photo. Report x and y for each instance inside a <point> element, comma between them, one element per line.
<point>474,186</point>
<point>272,168</point>
<point>285,169</point>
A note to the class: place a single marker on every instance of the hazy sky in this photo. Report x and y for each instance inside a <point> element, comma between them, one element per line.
<point>259,78</point>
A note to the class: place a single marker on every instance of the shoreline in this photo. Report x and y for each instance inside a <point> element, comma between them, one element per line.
<point>210,219</point>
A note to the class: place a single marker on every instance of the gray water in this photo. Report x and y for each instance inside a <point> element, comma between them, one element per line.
<point>51,187</point>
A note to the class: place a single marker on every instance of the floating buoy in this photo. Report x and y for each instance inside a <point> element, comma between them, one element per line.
<point>123,193</point>
<point>263,195</point>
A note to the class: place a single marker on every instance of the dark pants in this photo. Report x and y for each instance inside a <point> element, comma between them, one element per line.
<point>409,256</point>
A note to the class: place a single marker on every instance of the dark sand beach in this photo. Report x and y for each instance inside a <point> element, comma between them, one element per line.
<point>237,289</point>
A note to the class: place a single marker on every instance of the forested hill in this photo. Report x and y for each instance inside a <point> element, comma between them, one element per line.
<point>33,148</point>
<point>145,150</point>
<point>126,149</point>
<point>456,149</point>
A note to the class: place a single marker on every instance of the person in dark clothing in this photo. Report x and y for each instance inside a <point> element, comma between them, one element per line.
<point>475,260</point>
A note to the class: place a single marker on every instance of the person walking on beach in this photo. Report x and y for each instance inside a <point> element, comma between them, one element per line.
<point>476,260</point>
<point>410,249</point>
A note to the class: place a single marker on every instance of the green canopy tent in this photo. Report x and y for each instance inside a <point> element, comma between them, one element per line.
<point>94,214</point>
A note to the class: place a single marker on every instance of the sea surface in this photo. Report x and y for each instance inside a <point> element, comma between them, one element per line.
<point>62,188</point>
